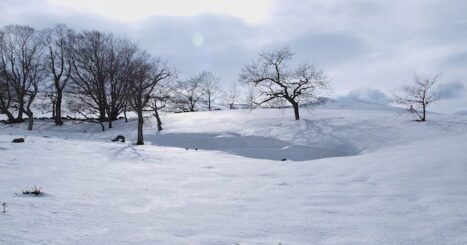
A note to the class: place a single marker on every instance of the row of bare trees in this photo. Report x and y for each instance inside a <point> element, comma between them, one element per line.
<point>100,74</point>
<point>188,94</point>
<point>95,75</point>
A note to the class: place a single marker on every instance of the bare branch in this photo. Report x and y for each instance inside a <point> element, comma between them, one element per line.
<point>275,81</point>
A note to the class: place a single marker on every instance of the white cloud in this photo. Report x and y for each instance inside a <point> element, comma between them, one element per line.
<point>451,90</point>
<point>250,11</point>
<point>369,95</point>
<point>360,43</point>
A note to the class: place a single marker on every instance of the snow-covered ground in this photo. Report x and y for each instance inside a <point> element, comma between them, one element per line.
<point>355,173</point>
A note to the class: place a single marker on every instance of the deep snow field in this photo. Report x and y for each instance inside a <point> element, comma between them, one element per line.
<point>355,173</point>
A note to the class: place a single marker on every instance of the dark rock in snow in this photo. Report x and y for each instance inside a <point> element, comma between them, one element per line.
<point>120,138</point>
<point>18,140</point>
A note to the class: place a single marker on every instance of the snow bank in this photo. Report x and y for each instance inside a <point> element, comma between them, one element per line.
<point>407,185</point>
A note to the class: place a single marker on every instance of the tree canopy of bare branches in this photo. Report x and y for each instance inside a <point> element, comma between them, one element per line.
<point>6,97</point>
<point>90,70</point>
<point>210,86</point>
<point>59,42</point>
<point>187,94</point>
<point>232,95</point>
<point>419,95</point>
<point>148,72</point>
<point>276,82</point>
<point>102,72</point>
<point>22,70</point>
<point>121,65</point>
<point>161,97</point>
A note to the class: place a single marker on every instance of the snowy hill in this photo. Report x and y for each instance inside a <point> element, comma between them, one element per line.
<point>356,173</point>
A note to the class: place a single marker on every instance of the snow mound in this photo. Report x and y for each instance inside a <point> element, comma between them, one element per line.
<point>406,185</point>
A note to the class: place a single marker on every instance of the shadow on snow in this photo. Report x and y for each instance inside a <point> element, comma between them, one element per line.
<point>251,146</point>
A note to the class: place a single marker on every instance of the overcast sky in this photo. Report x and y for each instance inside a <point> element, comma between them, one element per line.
<point>364,45</point>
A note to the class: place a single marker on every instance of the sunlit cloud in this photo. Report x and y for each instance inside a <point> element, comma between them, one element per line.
<point>198,40</point>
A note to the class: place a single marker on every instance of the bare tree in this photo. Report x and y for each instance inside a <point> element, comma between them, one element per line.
<point>250,97</point>
<point>147,73</point>
<point>46,99</point>
<point>101,73</point>
<point>210,86</point>
<point>419,95</point>
<point>122,53</point>
<point>77,106</point>
<point>232,95</point>
<point>90,71</point>
<point>160,98</point>
<point>187,94</point>
<point>276,82</point>
<point>125,110</point>
<point>59,42</point>
<point>6,99</point>
<point>21,54</point>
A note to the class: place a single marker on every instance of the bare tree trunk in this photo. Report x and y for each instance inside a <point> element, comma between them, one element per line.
<point>58,109</point>
<point>424,113</point>
<point>209,102</point>
<point>30,119</point>
<point>53,110</point>
<point>114,114</point>
<point>192,105</point>
<point>102,126</point>
<point>4,109</point>
<point>158,119</point>
<point>102,113</point>
<point>11,119</point>
<point>109,120</point>
<point>29,111</point>
<point>124,114</point>
<point>19,117</point>
<point>140,140</point>
<point>296,112</point>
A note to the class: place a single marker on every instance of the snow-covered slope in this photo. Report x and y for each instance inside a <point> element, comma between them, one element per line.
<point>355,174</point>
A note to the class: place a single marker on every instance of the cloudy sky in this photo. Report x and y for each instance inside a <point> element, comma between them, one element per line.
<point>368,47</point>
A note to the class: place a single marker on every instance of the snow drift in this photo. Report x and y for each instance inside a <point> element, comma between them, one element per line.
<point>395,181</point>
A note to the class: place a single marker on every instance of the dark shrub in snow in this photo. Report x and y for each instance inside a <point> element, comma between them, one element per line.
<point>34,191</point>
